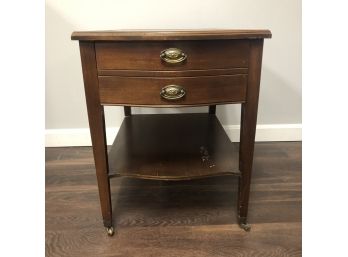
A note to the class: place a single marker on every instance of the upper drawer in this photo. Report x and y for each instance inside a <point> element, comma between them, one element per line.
<point>195,55</point>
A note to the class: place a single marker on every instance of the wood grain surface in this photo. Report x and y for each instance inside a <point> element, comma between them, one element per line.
<point>172,147</point>
<point>248,127</point>
<point>203,54</point>
<point>97,127</point>
<point>142,91</point>
<point>172,73</point>
<point>129,35</point>
<point>186,218</point>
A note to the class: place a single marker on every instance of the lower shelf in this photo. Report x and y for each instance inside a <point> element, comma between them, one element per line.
<point>172,147</point>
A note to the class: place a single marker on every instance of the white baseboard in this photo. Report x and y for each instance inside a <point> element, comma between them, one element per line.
<point>81,137</point>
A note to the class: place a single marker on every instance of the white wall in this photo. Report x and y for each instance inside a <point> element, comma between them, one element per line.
<point>280,97</point>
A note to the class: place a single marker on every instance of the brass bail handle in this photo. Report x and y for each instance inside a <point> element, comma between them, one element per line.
<point>173,55</point>
<point>172,92</point>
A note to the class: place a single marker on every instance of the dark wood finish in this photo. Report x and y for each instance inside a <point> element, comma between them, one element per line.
<point>220,54</point>
<point>181,73</point>
<point>157,35</point>
<point>182,218</point>
<point>127,111</point>
<point>248,127</point>
<point>172,147</point>
<point>124,68</point>
<point>97,128</point>
<point>146,90</point>
<point>212,109</point>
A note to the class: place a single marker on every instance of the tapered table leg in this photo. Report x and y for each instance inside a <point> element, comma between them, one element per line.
<point>247,131</point>
<point>97,129</point>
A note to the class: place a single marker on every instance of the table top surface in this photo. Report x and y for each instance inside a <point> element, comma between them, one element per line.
<point>141,35</point>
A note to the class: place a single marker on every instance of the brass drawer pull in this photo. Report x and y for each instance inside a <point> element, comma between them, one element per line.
<point>172,92</point>
<point>173,55</point>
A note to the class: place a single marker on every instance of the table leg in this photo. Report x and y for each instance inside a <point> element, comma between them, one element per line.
<point>97,128</point>
<point>248,130</point>
<point>212,109</point>
<point>127,111</point>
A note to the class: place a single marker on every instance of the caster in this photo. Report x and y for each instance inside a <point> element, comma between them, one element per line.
<point>245,226</point>
<point>110,231</point>
<point>242,221</point>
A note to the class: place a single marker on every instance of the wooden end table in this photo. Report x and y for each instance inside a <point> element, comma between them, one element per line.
<point>172,69</point>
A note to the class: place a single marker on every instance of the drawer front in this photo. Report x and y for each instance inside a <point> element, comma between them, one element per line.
<point>146,91</point>
<point>194,55</point>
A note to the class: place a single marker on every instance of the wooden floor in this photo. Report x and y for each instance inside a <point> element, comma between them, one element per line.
<point>190,218</point>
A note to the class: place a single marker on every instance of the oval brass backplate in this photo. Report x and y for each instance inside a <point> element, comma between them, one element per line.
<point>172,92</point>
<point>173,55</point>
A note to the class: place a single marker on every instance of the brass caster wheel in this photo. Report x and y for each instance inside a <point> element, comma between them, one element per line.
<point>110,231</point>
<point>245,226</point>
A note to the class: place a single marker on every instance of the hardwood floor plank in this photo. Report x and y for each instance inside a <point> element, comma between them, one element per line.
<point>181,218</point>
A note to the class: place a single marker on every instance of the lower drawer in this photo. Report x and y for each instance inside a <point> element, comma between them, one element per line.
<point>163,91</point>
